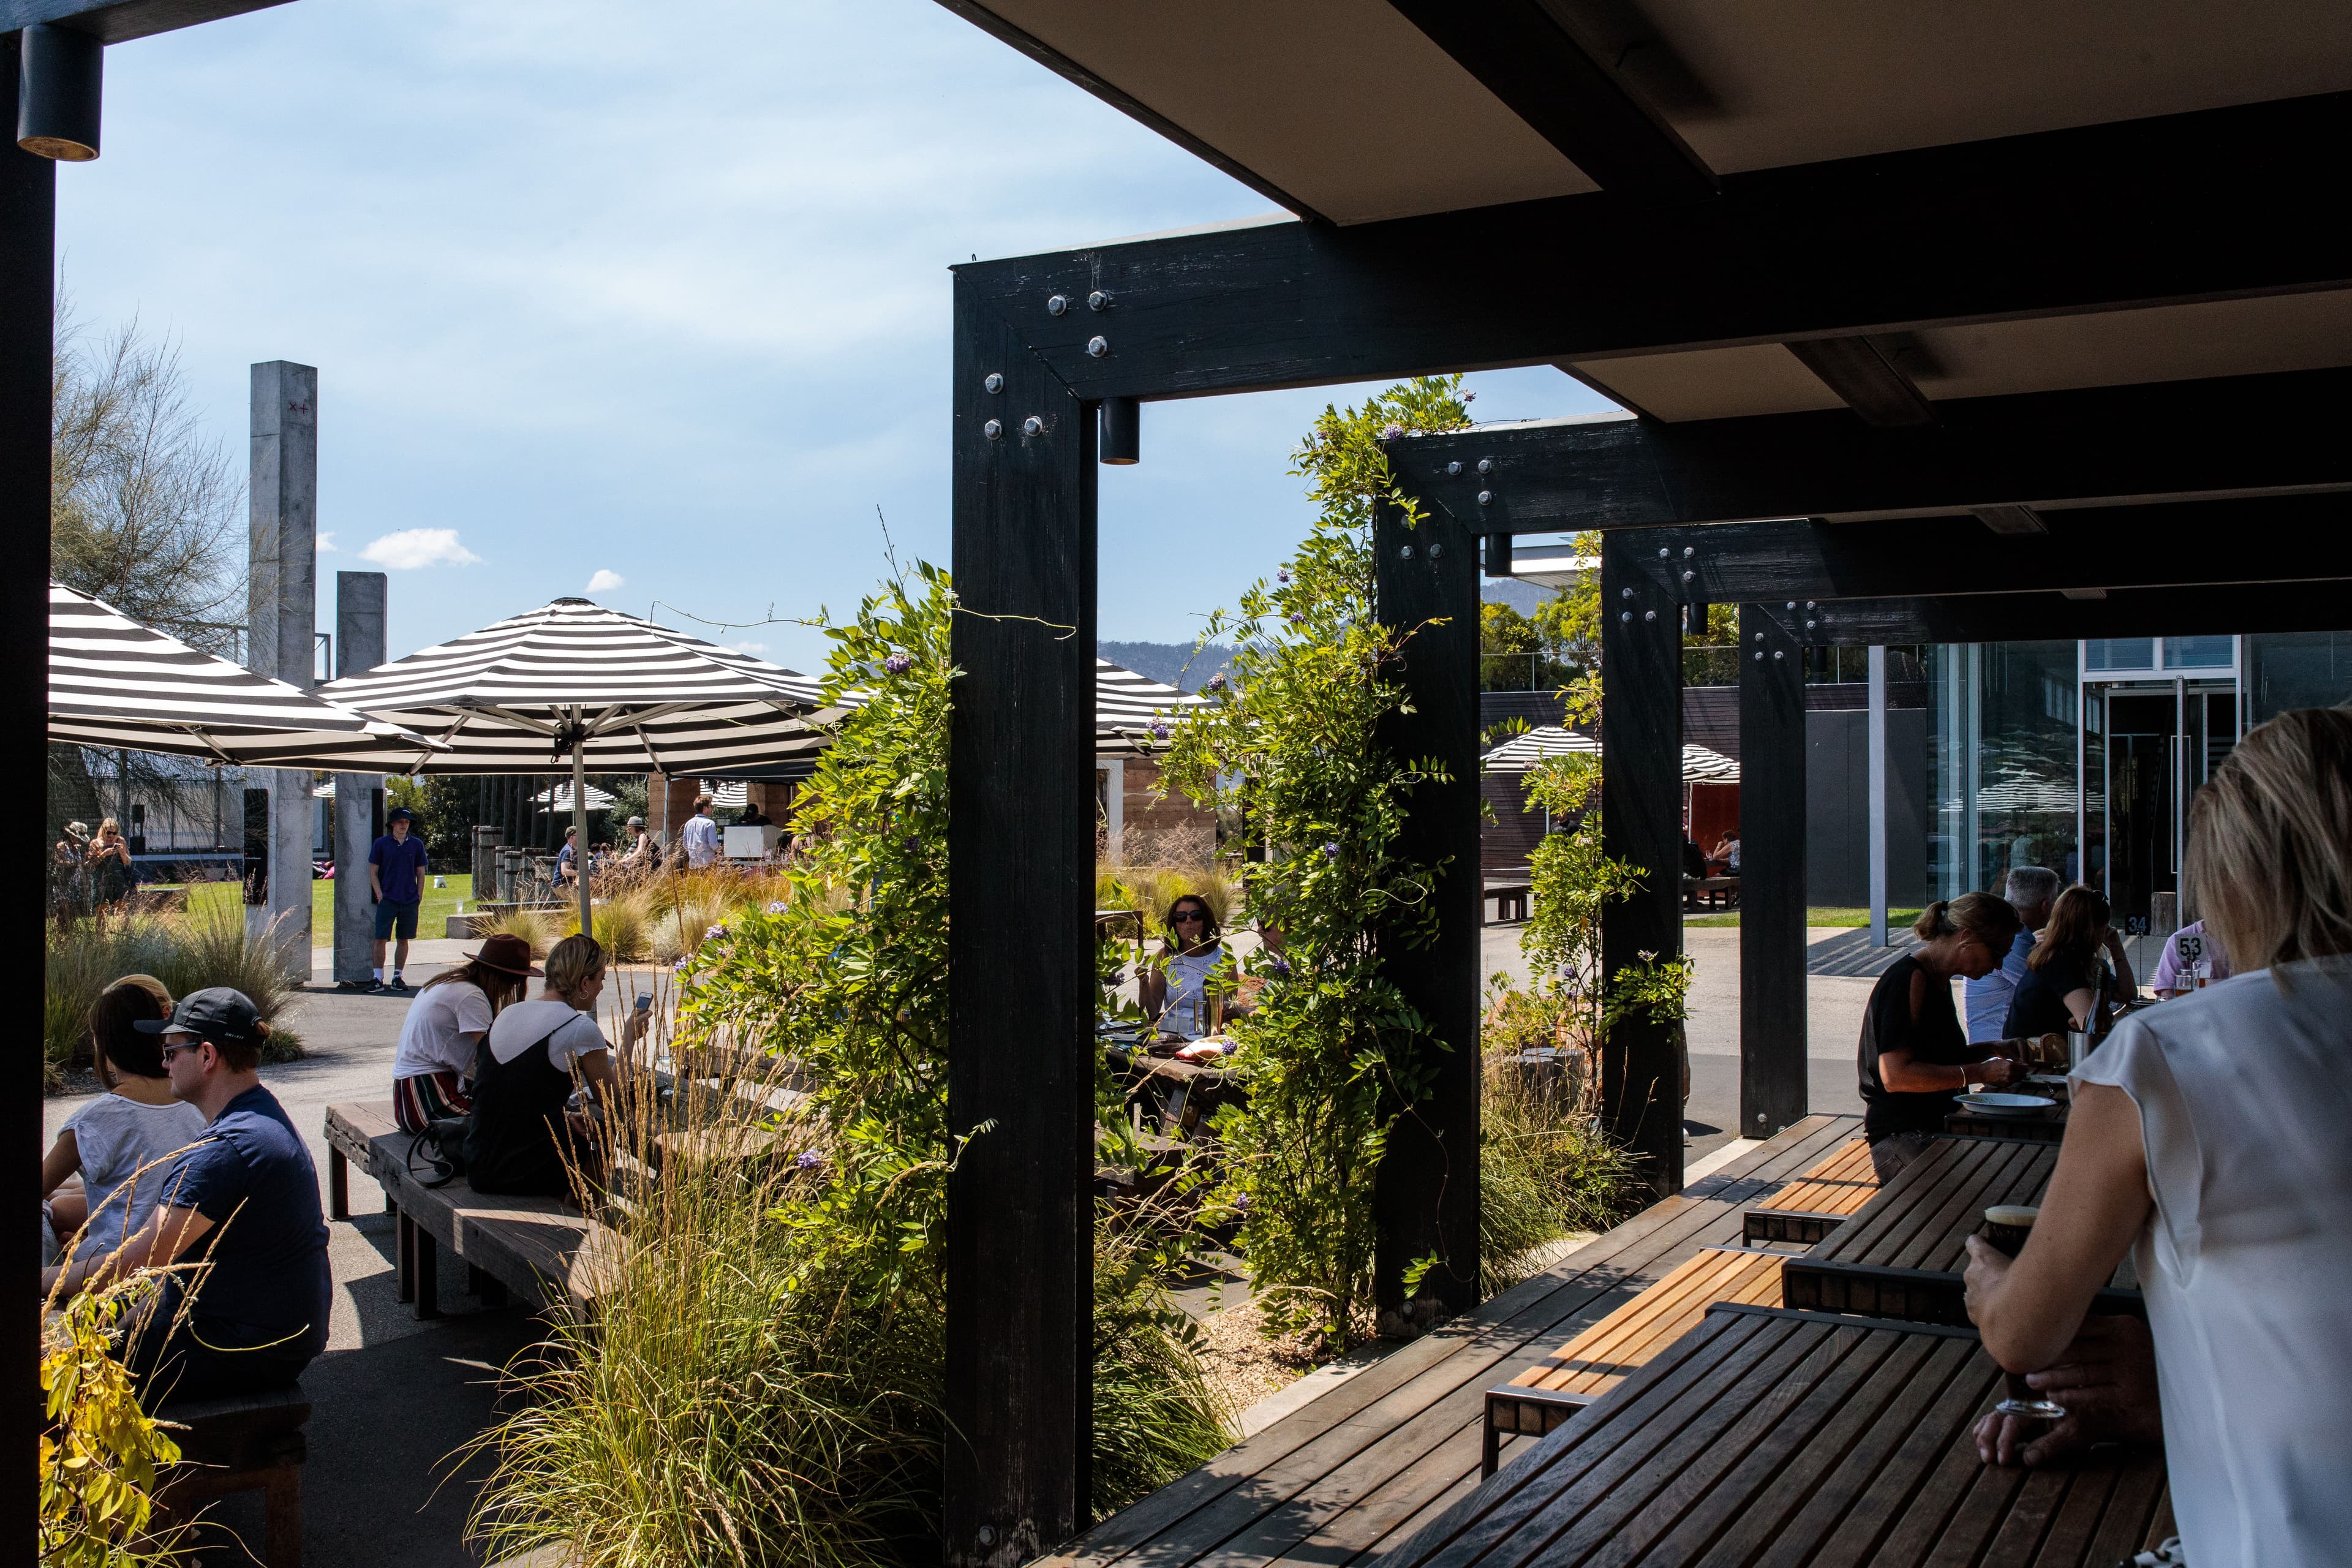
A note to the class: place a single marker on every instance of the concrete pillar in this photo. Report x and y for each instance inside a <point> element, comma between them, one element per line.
<point>281,617</point>
<point>668,802</point>
<point>1115,810</point>
<point>360,601</point>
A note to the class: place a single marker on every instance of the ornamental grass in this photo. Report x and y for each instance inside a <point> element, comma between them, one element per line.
<point>187,952</point>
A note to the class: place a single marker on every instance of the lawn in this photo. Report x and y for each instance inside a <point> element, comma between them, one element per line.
<point>1816,915</point>
<point>439,903</point>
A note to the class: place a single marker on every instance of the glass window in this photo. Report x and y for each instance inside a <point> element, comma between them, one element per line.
<point>2002,755</point>
<point>2199,653</point>
<point>2286,670</point>
<point>2122,653</point>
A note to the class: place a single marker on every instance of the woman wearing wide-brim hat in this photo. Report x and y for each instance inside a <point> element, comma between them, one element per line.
<point>432,1073</point>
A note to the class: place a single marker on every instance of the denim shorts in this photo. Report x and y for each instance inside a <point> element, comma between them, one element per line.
<point>386,914</point>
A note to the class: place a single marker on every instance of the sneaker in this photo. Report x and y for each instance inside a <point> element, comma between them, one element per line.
<point>372,988</point>
<point>398,987</point>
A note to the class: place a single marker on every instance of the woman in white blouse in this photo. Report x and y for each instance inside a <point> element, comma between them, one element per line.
<point>2211,1138</point>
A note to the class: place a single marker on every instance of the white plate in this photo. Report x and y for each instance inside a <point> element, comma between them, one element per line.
<point>2008,1104</point>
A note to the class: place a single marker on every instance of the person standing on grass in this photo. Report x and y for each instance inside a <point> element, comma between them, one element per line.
<point>110,876</point>
<point>396,867</point>
<point>702,835</point>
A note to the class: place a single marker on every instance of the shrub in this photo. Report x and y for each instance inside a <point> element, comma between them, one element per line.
<point>538,927</point>
<point>207,947</point>
<point>1544,1167</point>
<point>101,1456</point>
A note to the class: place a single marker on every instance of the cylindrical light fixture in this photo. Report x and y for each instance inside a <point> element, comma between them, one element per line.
<point>1498,555</point>
<point>1121,430</point>
<point>59,84</point>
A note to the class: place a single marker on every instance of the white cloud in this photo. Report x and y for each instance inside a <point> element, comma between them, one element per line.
<point>411,548</point>
<point>606,581</point>
<point>327,544</point>
<point>748,646</point>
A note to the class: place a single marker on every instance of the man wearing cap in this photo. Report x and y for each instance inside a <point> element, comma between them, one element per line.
<point>397,868</point>
<point>243,1201</point>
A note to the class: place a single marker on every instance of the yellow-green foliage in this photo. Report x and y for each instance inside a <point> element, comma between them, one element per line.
<point>1154,890</point>
<point>100,1454</point>
<point>538,927</point>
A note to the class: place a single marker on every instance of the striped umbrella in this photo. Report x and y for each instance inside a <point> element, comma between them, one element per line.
<point>609,692</point>
<point>1701,764</point>
<point>117,684</point>
<point>559,799</point>
<point>1126,706</point>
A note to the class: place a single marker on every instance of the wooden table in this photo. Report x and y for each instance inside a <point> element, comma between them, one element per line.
<point>1903,1253</point>
<point>2049,1129</point>
<point>1769,1436</point>
<point>1816,1202</point>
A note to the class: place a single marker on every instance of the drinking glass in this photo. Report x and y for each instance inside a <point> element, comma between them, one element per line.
<point>2006,1227</point>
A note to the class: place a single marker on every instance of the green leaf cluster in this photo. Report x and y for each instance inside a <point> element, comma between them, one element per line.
<point>101,1455</point>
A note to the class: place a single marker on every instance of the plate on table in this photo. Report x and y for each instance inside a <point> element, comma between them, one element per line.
<point>2019,1105</point>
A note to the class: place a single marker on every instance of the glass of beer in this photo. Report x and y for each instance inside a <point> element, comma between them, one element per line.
<point>2006,1226</point>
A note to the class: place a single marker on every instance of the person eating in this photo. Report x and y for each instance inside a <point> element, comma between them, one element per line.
<point>2066,986</point>
<point>1914,1057</point>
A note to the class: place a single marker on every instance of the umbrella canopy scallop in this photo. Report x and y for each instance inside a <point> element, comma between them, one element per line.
<point>1701,764</point>
<point>627,694</point>
<point>117,684</point>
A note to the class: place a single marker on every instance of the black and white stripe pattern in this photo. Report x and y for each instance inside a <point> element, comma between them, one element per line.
<point>1701,764</point>
<point>115,683</point>
<point>513,697</point>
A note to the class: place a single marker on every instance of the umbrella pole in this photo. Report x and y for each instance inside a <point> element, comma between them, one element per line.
<point>580,821</point>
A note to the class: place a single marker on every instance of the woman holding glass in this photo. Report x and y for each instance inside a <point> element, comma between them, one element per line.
<point>1180,991</point>
<point>2207,1139</point>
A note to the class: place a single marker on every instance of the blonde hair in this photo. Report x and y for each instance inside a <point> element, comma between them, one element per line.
<point>2270,841</point>
<point>1992,920</point>
<point>107,824</point>
<point>2075,921</point>
<point>573,960</point>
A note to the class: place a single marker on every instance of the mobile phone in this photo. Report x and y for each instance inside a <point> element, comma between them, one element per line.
<point>644,1003</point>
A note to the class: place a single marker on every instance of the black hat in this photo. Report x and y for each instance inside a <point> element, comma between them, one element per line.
<point>216,1013</point>
<point>398,814</point>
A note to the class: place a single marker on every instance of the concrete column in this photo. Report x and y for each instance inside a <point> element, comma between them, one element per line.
<point>360,601</point>
<point>1878,797</point>
<point>1115,810</point>
<point>281,617</point>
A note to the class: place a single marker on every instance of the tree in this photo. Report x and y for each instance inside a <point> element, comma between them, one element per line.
<point>1510,648</point>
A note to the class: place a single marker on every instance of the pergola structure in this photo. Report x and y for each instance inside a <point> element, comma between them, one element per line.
<point>2034,318</point>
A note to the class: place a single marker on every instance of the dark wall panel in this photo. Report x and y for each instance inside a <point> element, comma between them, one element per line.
<point>1837,807</point>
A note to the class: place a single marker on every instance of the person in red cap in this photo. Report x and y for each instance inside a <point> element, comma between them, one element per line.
<point>432,1071</point>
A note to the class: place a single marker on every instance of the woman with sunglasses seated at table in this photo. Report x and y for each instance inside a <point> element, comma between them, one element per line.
<point>2065,985</point>
<point>1915,1056</point>
<point>1181,990</point>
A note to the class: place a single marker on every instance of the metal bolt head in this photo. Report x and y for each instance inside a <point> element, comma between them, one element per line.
<point>1689,576</point>
<point>1485,464</point>
<point>1808,626</point>
<point>1777,655</point>
<point>1809,604</point>
<point>1485,497</point>
<point>1453,468</point>
<point>1662,553</point>
<point>1405,553</point>
<point>1649,615</point>
<point>1760,1116</point>
<point>1056,305</point>
<point>1759,655</point>
<point>1033,426</point>
<point>993,381</point>
<point>1690,550</point>
<point>1099,300</point>
<point>1760,637</point>
<point>993,429</point>
<point>1792,603</point>
<point>986,1534</point>
<point>1098,347</point>
<point>1628,615</point>
<point>1624,593</point>
<point>1436,550</point>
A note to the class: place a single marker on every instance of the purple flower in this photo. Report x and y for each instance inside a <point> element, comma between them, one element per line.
<point>714,934</point>
<point>1392,432</point>
<point>678,968</point>
<point>1330,851</point>
<point>775,906</point>
<point>1279,967</point>
<point>1217,681</point>
<point>1159,731</point>
<point>1469,397</point>
<point>807,1160</point>
<point>1241,1204</point>
<point>1283,576</point>
<point>897,664</point>
<point>1297,619</point>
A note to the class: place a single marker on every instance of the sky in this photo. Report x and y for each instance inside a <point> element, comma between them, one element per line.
<point>655,313</point>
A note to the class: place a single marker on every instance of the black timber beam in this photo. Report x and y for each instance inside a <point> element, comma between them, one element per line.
<point>123,20</point>
<point>1642,824</point>
<point>1519,50</point>
<point>2177,440</point>
<point>1774,1081</point>
<point>1866,380</point>
<point>2209,206</point>
<point>2184,544</point>
<point>1425,1199</point>
<point>29,190</point>
<point>2306,606</point>
<point>1020,993</point>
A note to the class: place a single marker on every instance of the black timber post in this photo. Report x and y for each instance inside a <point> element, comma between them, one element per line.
<point>1772,1062</point>
<point>1021,981</point>
<point>29,190</point>
<point>1425,1200</point>
<point>1642,824</point>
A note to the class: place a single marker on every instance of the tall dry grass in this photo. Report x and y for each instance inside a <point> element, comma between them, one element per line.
<point>1154,890</point>
<point>1546,1169</point>
<point>187,952</point>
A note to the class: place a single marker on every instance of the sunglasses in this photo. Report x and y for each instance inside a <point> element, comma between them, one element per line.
<point>1197,917</point>
<point>169,1050</point>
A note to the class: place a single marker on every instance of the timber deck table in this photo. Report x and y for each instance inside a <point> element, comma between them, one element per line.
<point>1903,1254</point>
<point>1769,1436</point>
<point>2046,1129</point>
<point>1817,1203</point>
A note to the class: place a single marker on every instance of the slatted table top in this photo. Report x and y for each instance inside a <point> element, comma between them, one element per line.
<point>1922,1218</point>
<point>1772,1437</point>
<point>1601,1357</point>
<point>1839,1184</point>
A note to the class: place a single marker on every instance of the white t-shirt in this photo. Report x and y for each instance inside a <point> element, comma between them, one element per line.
<point>1188,1010</point>
<point>117,1137</point>
<point>701,841</point>
<point>524,1024</point>
<point>2244,1262</point>
<point>433,1037</point>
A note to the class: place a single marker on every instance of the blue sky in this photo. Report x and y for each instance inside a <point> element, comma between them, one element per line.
<point>590,294</point>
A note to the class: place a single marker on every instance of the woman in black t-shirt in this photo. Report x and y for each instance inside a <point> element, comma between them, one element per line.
<point>2065,985</point>
<point>1914,1056</point>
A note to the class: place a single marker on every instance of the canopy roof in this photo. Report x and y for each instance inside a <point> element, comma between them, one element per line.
<point>1517,756</point>
<point>514,696</point>
<point>115,683</point>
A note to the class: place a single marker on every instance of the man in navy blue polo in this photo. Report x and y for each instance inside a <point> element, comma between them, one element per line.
<point>397,876</point>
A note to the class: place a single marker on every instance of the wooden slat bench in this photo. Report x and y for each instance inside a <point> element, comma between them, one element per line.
<point>1809,1208</point>
<point>1511,900</point>
<point>244,1443</point>
<point>1596,1361</point>
<point>1710,892</point>
<point>542,1249</point>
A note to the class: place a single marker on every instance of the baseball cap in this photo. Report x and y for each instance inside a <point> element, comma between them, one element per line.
<point>216,1013</point>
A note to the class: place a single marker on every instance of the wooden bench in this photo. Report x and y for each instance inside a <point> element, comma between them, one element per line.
<point>1710,892</point>
<point>1815,1203</point>
<point>542,1249</point>
<point>1511,900</point>
<point>1544,1396</point>
<point>244,1443</point>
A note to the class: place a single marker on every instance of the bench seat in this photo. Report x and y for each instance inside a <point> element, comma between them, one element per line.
<point>1815,1203</point>
<point>242,1443</point>
<point>1588,1366</point>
